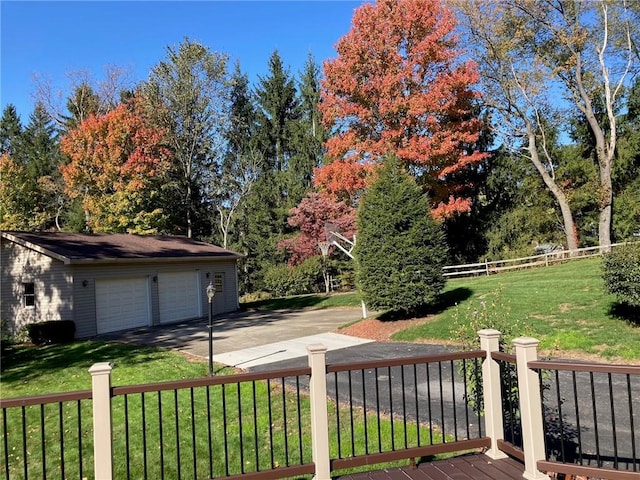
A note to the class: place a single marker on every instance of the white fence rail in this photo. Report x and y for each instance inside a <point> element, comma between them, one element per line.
<point>545,259</point>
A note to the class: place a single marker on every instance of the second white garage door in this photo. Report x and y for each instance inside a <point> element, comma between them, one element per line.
<point>178,296</point>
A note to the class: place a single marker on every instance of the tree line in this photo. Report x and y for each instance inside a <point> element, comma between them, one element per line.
<point>527,135</point>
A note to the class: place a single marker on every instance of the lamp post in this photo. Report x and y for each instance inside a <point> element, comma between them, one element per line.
<point>211,291</point>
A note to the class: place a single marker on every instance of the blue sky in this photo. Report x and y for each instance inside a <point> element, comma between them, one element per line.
<point>52,38</point>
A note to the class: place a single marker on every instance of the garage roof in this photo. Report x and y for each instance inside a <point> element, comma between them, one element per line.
<point>110,248</point>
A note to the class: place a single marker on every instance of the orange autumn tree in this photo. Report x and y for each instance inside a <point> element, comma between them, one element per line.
<point>399,86</point>
<point>117,163</point>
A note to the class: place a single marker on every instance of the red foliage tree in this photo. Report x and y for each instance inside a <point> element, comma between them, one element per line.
<point>310,216</point>
<point>398,86</point>
<point>115,159</point>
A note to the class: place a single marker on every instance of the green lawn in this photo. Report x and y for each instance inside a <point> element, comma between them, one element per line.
<point>564,306</point>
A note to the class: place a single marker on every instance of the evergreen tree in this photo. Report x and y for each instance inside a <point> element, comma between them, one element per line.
<point>41,146</point>
<point>270,202</point>
<point>42,160</point>
<point>626,181</point>
<point>82,103</point>
<point>400,249</point>
<point>309,135</point>
<point>30,178</point>
<point>240,167</point>
<point>277,111</point>
<point>10,131</point>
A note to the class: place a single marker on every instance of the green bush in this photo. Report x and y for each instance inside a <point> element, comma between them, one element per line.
<point>55,331</point>
<point>284,281</point>
<point>400,250</point>
<point>490,311</point>
<point>622,273</point>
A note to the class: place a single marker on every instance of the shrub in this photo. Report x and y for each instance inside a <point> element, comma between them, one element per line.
<point>55,331</point>
<point>283,280</point>
<point>400,250</point>
<point>489,311</point>
<point>622,273</point>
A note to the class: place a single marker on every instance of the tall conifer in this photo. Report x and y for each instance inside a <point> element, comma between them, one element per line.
<point>400,250</point>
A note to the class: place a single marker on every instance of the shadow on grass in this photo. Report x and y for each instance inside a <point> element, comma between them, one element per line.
<point>299,302</point>
<point>445,301</point>
<point>627,312</point>
<point>21,362</point>
<point>302,301</point>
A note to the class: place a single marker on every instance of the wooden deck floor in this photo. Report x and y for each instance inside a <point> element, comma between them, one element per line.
<point>465,467</point>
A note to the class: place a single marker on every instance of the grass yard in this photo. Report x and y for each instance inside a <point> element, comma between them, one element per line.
<point>564,306</point>
<point>28,371</point>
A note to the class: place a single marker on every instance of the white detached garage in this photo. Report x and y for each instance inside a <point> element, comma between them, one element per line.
<point>107,283</point>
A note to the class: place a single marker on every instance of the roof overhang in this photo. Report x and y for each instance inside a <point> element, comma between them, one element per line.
<point>36,248</point>
<point>115,260</point>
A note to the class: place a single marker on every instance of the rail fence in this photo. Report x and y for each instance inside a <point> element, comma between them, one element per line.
<point>545,259</point>
<point>322,419</point>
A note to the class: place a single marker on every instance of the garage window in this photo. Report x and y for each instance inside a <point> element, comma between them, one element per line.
<point>29,295</point>
<point>218,282</point>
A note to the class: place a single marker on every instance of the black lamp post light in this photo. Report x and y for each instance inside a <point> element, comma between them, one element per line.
<point>211,291</point>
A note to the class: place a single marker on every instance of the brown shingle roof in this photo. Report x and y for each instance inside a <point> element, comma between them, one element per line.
<point>78,247</point>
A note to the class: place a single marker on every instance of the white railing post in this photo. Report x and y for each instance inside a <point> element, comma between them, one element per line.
<point>491,392</point>
<point>530,408</point>
<point>319,418</point>
<point>102,425</point>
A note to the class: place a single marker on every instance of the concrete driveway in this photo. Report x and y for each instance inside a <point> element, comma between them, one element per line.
<point>250,338</point>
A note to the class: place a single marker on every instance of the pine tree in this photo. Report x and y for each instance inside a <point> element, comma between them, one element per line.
<point>277,110</point>
<point>42,161</point>
<point>10,131</point>
<point>30,177</point>
<point>400,249</point>
<point>41,144</point>
<point>308,135</point>
<point>241,165</point>
<point>268,205</point>
<point>81,104</point>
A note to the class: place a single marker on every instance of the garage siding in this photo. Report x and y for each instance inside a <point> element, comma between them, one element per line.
<point>85,313</point>
<point>52,286</point>
<point>227,301</point>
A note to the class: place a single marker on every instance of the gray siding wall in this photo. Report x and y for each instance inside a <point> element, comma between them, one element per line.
<point>227,301</point>
<point>53,285</point>
<point>85,311</point>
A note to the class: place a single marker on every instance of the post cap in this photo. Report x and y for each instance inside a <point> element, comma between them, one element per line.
<point>526,342</point>
<point>100,367</point>
<point>316,348</point>
<point>489,333</point>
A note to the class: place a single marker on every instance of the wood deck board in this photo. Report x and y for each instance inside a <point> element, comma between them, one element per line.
<point>464,467</point>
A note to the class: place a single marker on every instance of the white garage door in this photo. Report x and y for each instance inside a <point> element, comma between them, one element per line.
<point>178,292</point>
<point>122,303</point>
